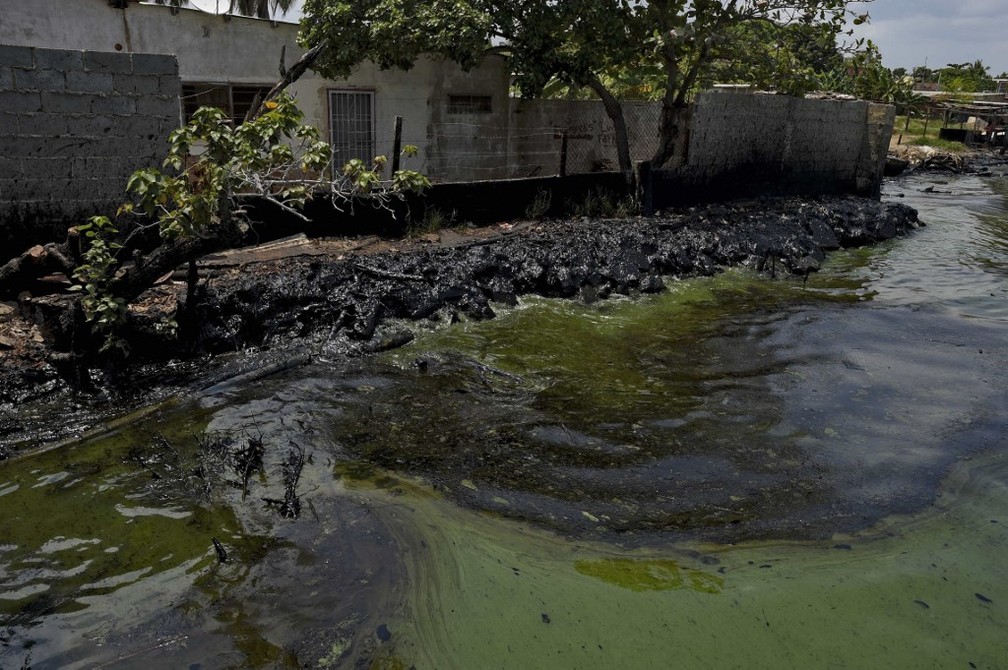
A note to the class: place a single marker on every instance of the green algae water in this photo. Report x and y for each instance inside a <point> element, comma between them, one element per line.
<point>741,472</point>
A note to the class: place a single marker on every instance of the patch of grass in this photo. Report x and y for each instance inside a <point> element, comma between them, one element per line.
<point>914,135</point>
<point>944,145</point>
<point>434,219</point>
<point>540,205</point>
<point>916,127</point>
<point>600,203</point>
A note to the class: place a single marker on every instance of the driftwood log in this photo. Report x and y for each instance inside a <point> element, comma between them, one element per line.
<point>22,272</point>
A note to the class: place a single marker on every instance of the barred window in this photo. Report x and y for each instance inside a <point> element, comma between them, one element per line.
<point>234,99</point>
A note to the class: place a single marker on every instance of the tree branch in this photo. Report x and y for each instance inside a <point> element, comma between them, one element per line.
<point>290,75</point>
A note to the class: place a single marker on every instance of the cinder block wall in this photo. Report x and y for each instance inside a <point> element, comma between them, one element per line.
<point>73,126</point>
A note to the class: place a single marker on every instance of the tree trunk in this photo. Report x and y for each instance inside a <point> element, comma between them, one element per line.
<point>668,133</point>
<point>615,112</point>
<point>164,259</point>
<point>674,101</point>
<point>170,255</point>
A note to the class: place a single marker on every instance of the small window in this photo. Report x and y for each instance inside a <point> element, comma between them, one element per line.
<point>234,100</point>
<point>242,98</point>
<point>469,104</point>
<point>195,96</point>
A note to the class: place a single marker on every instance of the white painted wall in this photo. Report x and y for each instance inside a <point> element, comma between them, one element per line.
<point>240,50</point>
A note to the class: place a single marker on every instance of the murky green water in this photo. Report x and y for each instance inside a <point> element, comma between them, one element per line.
<point>738,473</point>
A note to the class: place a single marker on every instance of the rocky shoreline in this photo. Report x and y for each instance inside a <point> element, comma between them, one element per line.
<point>352,299</point>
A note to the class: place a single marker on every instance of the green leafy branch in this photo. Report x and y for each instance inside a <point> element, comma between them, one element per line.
<point>367,180</point>
<point>98,263</point>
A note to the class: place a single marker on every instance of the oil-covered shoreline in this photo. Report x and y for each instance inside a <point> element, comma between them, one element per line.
<point>354,303</point>
<point>346,301</point>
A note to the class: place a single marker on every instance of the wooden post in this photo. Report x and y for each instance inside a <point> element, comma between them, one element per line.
<point>563,154</point>
<point>926,119</point>
<point>647,189</point>
<point>397,144</point>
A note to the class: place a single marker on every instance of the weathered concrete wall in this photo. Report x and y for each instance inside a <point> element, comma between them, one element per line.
<point>73,126</point>
<point>743,144</point>
<point>734,144</point>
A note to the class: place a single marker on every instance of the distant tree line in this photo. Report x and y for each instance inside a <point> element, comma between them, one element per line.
<point>956,77</point>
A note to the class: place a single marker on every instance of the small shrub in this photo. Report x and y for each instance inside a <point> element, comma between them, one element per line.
<point>539,205</point>
<point>434,219</point>
<point>601,203</point>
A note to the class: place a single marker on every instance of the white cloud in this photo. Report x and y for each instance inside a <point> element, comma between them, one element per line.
<point>940,31</point>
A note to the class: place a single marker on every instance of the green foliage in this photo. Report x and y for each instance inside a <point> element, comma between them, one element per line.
<point>945,145</point>
<point>865,77</point>
<point>105,311</point>
<point>190,198</point>
<point>209,164</point>
<point>434,219</point>
<point>966,77</point>
<point>393,33</point>
<point>906,100</point>
<point>912,132</point>
<point>539,205</point>
<point>788,59</point>
<point>601,203</point>
<point>410,180</point>
<point>924,74</point>
<point>643,50</point>
<point>366,179</point>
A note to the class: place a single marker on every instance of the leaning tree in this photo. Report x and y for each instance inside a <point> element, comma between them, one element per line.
<point>188,207</point>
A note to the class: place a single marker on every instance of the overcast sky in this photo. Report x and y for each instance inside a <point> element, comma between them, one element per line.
<point>942,31</point>
<point>910,31</point>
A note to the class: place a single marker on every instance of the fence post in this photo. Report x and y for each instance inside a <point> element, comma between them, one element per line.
<point>563,154</point>
<point>646,182</point>
<point>906,127</point>
<point>397,144</point>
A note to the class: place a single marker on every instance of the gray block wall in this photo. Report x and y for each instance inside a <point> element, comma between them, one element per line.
<point>74,125</point>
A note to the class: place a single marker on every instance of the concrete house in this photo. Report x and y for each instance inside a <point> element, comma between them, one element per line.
<point>225,60</point>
